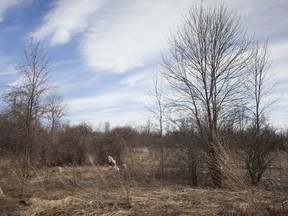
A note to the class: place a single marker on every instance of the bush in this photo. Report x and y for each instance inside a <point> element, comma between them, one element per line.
<point>112,143</point>
<point>73,147</point>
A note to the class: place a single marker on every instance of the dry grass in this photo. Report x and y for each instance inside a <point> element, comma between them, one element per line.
<point>234,177</point>
<point>95,190</point>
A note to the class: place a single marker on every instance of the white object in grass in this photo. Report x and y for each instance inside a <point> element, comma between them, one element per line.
<point>111,160</point>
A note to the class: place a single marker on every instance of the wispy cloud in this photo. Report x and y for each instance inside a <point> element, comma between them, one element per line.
<point>117,107</point>
<point>67,18</point>
<point>279,50</point>
<point>120,104</point>
<point>115,36</point>
<point>119,36</point>
<point>131,34</point>
<point>141,78</point>
<point>8,74</point>
<point>5,5</point>
<point>7,66</point>
<point>105,101</point>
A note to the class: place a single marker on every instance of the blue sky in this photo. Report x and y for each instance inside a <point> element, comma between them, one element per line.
<point>103,52</point>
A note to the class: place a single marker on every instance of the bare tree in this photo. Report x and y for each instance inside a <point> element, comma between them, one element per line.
<point>157,110</point>
<point>55,110</point>
<point>191,151</point>
<point>204,70</point>
<point>258,148</point>
<point>25,99</point>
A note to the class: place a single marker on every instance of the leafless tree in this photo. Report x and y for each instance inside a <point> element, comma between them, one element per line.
<point>190,142</point>
<point>55,110</point>
<point>204,70</point>
<point>258,149</point>
<point>25,98</point>
<point>157,111</point>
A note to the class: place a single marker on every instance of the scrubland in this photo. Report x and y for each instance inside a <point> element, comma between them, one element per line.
<point>101,190</point>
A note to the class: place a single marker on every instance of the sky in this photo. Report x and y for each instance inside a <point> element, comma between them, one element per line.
<point>103,52</point>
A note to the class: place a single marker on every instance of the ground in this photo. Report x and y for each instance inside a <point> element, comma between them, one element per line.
<point>101,190</point>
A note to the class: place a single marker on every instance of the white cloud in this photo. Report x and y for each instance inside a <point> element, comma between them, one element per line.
<point>5,5</point>
<point>66,19</point>
<point>279,68</point>
<point>116,107</point>
<point>132,35</point>
<point>118,36</point>
<point>140,78</point>
<point>99,102</point>
<point>279,50</point>
<point>127,117</point>
<point>7,66</point>
<point>121,104</point>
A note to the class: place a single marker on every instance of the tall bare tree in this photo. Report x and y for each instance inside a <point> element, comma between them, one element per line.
<point>157,110</point>
<point>25,99</point>
<point>257,150</point>
<point>204,69</point>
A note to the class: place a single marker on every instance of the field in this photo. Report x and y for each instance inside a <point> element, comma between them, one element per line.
<point>101,190</point>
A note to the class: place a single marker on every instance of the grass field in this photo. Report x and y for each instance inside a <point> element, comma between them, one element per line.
<point>101,190</point>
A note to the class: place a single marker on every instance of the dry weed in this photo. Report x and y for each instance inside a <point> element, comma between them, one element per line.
<point>98,190</point>
<point>233,175</point>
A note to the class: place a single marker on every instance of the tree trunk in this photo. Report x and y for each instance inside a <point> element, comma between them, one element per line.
<point>27,160</point>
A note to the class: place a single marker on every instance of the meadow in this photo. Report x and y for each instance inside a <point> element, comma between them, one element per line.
<point>92,189</point>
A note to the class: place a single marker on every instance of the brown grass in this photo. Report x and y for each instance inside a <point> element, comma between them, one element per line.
<point>95,190</point>
<point>234,177</point>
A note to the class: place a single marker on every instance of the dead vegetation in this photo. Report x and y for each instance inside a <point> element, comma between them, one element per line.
<point>100,190</point>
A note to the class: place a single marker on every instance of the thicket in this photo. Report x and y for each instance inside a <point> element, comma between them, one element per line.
<point>185,159</point>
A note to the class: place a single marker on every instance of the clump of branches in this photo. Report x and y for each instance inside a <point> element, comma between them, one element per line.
<point>112,143</point>
<point>73,146</point>
<point>258,148</point>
